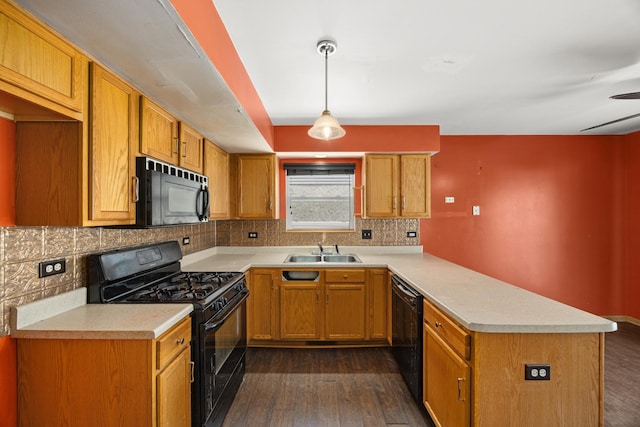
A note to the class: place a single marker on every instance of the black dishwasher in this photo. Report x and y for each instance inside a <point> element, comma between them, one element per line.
<point>406,338</point>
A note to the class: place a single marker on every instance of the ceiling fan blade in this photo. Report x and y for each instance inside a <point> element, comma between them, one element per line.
<point>632,95</point>
<point>611,122</point>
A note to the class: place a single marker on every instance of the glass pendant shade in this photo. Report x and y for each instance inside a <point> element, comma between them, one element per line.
<point>326,127</point>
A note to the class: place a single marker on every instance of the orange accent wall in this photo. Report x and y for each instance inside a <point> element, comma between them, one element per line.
<point>631,295</point>
<point>368,139</point>
<point>8,383</point>
<point>551,214</point>
<point>205,23</point>
<point>7,172</point>
<point>282,180</point>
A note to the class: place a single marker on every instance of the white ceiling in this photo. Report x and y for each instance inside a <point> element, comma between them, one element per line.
<point>472,67</point>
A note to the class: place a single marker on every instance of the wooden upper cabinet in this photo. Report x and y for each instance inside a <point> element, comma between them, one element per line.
<point>70,173</point>
<point>158,132</point>
<point>381,188</point>
<point>398,185</point>
<point>113,142</point>
<point>256,186</point>
<point>191,152</point>
<point>415,185</point>
<point>38,66</point>
<point>216,168</point>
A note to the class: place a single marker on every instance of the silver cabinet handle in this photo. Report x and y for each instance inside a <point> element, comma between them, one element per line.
<point>177,149</point>
<point>438,324</point>
<point>459,390</point>
<point>180,341</point>
<point>193,368</point>
<point>184,152</point>
<point>395,203</point>
<point>404,202</point>
<point>136,189</point>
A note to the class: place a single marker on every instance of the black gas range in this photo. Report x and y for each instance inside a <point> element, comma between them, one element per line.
<point>152,274</point>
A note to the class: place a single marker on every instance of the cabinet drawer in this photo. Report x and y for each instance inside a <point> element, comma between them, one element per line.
<point>173,342</point>
<point>350,275</point>
<point>456,337</point>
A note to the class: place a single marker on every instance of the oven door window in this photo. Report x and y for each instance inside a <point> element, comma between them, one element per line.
<point>224,349</point>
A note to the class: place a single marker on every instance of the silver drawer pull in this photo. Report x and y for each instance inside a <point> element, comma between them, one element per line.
<point>180,341</point>
<point>438,324</point>
<point>459,397</point>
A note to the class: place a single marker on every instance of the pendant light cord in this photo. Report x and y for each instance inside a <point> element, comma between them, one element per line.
<point>326,77</point>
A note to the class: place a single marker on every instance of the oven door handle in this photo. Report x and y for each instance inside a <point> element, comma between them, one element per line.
<point>226,313</point>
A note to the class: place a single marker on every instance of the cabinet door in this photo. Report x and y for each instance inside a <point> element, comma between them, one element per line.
<point>256,186</point>
<point>447,387</point>
<point>113,138</point>
<point>190,148</point>
<point>345,312</point>
<point>415,185</point>
<point>379,295</point>
<point>38,66</point>
<point>381,177</point>
<point>300,316</point>
<point>174,392</point>
<point>262,305</point>
<point>158,132</point>
<point>216,168</point>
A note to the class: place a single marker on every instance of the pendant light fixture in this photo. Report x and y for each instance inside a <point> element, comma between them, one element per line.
<point>326,127</point>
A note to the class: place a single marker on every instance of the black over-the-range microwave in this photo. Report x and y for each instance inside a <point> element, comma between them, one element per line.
<point>169,195</point>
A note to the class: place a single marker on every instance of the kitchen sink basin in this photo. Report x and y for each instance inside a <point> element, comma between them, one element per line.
<point>347,258</point>
<point>303,258</point>
<point>340,258</point>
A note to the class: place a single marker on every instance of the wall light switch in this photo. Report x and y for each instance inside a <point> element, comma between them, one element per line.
<point>449,199</point>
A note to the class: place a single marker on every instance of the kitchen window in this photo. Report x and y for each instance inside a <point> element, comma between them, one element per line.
<point>320,196</point>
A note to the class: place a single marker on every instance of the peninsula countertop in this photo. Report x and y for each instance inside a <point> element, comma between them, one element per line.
<point>478,302</point>
<point>68,316</point>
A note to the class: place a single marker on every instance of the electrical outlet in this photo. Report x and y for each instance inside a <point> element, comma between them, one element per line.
<point>50,268</point>
<point>412,234</point>
<point>186,241</point>
<point>449,199</point>
<point>537,372</point>
<point>366,234</point>
<point>476,210</point>
<point>253,234</point>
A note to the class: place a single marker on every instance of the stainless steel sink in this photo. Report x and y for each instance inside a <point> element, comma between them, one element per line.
<point>303,258</point>
<point>340,258</point>
<point>347,258</point>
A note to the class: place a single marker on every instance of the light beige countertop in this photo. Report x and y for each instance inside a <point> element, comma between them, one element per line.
<point>478,302</point>
<point>68,316</point>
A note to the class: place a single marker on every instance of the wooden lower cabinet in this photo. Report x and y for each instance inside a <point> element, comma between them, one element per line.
<point>300,311</point>
<point>446,382</point>
<point>262,304</point>
<point>345,304</point>
<point>106,382</point>
<point>341,305</point>
<point>477,379</point>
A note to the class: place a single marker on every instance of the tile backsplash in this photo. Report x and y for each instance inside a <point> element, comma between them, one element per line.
<point>385,232</point>
<point>23,248</point>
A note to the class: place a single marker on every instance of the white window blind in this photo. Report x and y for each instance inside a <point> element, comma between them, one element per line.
<point>320,199</point>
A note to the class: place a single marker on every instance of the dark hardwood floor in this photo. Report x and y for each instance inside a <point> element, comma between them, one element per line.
<point>622,376</point>
<point>362,387</point>
<point>323,387</point>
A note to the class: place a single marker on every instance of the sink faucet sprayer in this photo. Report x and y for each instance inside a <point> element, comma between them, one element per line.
<point>337,250</point>
<point>321,248</point>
